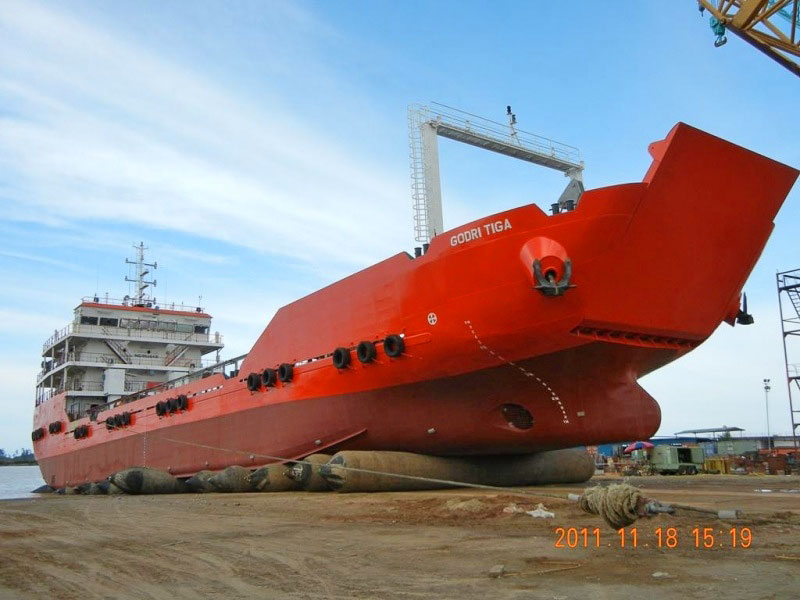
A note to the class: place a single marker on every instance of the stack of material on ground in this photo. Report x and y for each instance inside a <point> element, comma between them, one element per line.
<point>776,465</point>
<point>760,464</point>
<point>360,471</point>
<point>715,465</point>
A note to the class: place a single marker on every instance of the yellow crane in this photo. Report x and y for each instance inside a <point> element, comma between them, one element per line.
<point>769,25</point>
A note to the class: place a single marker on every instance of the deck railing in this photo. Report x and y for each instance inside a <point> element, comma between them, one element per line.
<point>229,368</point>
<point>83,385</point>
<point>111,359</point>
<point>101,331</point>
<point>128,302</point>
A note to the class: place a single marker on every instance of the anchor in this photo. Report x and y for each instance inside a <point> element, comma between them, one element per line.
<point>743,317</point>
<point>547,284</point>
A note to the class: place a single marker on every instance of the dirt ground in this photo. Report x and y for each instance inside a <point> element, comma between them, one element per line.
<point>398,545</point>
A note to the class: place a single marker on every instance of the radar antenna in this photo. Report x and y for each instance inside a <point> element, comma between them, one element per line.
<point>141,298</point>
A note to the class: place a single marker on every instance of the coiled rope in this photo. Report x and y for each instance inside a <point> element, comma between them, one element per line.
<point>619,504</point>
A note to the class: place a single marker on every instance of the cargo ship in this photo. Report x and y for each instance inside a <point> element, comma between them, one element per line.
<point>519,332</point>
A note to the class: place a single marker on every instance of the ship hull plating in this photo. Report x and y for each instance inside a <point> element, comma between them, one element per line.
<point>495,359</point>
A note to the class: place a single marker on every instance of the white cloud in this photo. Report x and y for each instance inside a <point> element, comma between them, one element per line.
<point>45,260</point>
<point>24,322</point>
<point>105,130</point>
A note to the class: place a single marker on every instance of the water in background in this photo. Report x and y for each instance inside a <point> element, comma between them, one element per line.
<point>17,482</point>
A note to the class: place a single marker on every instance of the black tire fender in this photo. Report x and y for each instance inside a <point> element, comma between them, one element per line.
<point>394,346</point>
<point>269,377</point>
<point>286,372</point>
<point>341,357</point>
<point>366,352</point>
<point>253,382</point>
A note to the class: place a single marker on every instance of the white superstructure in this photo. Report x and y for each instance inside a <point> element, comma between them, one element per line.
<point>115,347</point>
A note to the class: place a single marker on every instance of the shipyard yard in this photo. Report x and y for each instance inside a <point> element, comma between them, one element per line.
<point>281,275</point>
<point>440,544</point>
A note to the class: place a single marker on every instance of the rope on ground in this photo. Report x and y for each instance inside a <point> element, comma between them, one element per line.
<point>619,504</point>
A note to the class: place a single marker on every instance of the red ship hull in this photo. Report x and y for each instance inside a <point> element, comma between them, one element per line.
<point>491,364</point>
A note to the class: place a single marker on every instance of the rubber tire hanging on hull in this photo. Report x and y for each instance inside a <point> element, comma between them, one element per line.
<point>341,358</point>
<point>286,372</point>
<point>253,382</point>
<point>394,346</point>
<point>269,377</point>
<point>366,352</point>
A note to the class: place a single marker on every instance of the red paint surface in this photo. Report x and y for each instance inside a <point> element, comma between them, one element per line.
<point>657,267</point>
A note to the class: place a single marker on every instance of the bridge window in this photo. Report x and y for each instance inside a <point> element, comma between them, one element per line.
<point>88,320</point>
<point>108,322</point>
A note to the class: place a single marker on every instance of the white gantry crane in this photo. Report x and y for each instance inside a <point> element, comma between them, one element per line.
<point>425,123</point>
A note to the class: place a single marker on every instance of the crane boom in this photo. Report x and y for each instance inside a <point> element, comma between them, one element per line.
<point>771,26</point>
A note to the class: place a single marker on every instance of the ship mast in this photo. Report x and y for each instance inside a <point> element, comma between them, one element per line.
<point>142,270</point>
<point>425,123</point>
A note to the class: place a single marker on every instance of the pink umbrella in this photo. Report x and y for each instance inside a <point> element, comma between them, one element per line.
<point>637,446</point>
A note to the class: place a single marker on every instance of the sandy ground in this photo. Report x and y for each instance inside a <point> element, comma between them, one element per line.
<point>395,545</point>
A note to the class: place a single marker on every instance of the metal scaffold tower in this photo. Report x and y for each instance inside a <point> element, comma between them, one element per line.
<point>789,305</point>
<point>425,123</point>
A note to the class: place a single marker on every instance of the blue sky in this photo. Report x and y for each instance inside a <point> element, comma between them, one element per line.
<point>260,150</point>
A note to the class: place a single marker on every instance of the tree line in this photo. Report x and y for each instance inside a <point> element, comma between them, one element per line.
<point>23,456</point>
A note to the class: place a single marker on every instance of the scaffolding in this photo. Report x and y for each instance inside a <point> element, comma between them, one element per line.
<point>788,283</point>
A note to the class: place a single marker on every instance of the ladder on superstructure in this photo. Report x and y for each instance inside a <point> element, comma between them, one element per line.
<point>788,283</point>
<point>425,123</point>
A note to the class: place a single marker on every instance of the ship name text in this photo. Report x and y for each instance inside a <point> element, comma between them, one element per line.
<point>478,232</point>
